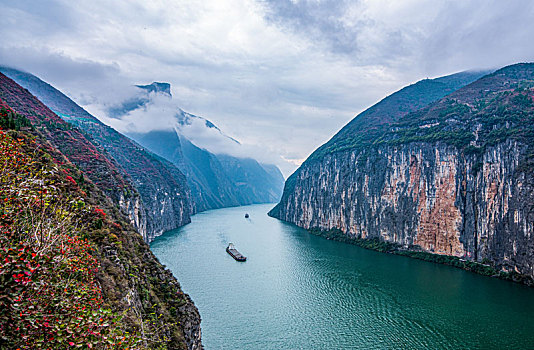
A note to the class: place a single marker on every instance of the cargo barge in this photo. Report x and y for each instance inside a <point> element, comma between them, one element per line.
<point>234,253</point>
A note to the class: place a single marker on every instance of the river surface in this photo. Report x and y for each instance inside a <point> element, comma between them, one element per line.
<point>299,291</point>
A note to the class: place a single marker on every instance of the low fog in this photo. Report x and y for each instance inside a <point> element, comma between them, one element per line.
<point>159,112</point>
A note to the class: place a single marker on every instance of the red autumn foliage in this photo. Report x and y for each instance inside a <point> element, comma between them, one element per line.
<point>71,180</point>
<point>100,212</point>
<point>101,170</point>
<point>49,291</point>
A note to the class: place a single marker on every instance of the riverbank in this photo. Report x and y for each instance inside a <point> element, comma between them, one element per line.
<point>415,252</point>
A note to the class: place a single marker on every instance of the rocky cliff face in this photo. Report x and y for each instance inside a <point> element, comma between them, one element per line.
<point>164,200</point>
<point>215,180</point>
<point>135,211</point>
<point>425,195</point>
<point>454,178</point>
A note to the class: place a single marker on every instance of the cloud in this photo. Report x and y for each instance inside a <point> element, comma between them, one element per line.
<point>99,81</point>
<point>282,75</point>
<point>159,113</point>
<point>145,112</point>
<point>429,36</point>
<point>323,21</point>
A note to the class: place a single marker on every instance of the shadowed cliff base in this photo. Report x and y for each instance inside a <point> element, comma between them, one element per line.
<point>417,252</point>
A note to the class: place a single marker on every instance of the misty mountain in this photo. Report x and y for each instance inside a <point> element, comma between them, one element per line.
<point>165,201</point>
<point>216,180</point>
<point>156,99</point>
<point>140,100</point>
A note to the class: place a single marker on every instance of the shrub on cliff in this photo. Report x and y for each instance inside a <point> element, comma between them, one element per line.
<point>50,296</point>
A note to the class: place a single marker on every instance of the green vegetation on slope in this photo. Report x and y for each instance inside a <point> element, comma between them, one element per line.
<point>73,272</point>
<point>12,120</point>
<point>50,294</point>
<point>485,113</point>
<point>371,124</point>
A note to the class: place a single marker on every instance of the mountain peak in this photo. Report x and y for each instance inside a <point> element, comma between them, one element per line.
<point>157,87</point>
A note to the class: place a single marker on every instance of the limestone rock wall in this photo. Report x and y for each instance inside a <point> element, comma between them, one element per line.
<point>423,196</point>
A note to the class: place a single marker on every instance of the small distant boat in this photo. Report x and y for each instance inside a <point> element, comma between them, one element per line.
<point>234,253</point>
<point>247,216</point>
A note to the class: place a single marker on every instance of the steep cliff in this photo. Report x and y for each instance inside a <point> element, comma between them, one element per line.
<point>216,180</point>
<point>73,271</point>
<point>158,199</point>
<point>453,178</point>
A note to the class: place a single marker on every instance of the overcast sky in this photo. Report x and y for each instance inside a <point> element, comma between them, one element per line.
<point>280,75</point>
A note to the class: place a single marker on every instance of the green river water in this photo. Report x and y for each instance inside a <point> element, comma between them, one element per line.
<point>299,291</point>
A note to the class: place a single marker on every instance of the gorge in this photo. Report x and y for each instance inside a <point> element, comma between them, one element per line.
<point>371,161</point>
